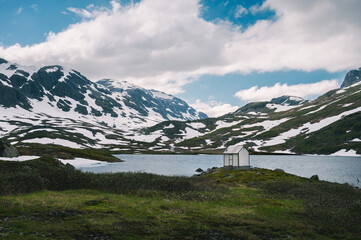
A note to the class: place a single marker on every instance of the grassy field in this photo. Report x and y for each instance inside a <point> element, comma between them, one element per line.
<point>245,204</point>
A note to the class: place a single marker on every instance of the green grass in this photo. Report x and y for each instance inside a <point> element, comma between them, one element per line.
<point>244,204</point>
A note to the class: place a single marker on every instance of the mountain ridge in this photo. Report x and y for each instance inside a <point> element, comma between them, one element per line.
<point>326,125</point>
<point>287,124</point>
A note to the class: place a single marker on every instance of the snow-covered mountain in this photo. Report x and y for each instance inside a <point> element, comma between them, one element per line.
<point>329,124</point>
<point>56,98</point>
<point>142,100</point>
<point>56,105</point>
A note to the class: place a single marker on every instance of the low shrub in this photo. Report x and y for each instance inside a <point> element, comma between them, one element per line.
<point>331,205</point>
<point>46,173</point>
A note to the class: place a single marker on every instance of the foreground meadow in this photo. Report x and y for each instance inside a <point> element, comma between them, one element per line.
<point>44,199</point>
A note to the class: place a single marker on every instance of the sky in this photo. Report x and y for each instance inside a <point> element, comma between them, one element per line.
<point>217,55</point>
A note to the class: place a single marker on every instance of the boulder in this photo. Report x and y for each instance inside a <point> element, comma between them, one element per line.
<point>314,177</point>
<point>199,170</point>
<point>7,150</point>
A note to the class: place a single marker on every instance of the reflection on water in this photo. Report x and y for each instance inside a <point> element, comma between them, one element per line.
<point>333,169</point>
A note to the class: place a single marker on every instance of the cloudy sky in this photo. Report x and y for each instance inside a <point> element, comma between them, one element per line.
<point>217,55</point>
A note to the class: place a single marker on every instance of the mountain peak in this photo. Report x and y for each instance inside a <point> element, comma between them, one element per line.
<point>351,78</point>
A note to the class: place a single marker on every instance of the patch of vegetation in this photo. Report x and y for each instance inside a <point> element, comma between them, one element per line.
<point>1,144</point>
<point>47,173</point>
<point>63,106</point>
<point>81,109</point>
<point>245,204</point>
<point>67,153</point>
<point>335,207</point>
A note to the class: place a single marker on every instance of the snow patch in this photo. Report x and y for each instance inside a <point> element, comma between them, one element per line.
<point>50,70</point>
<point>319,109</point>
<point>280,108</point>
<point>197,125</point>
<point>347,104</point>
<point>61,142</point>
<point>344,152</point>
<point>157,94</point>
<point>298,99</point>
<point>223,124</point>
<point>66,73</point>
<point>267,125</point>
<point>191,133</point>
<point>83,162</point>
<point>169,126</point>
<point>356,140</point>
<point>19,159</point>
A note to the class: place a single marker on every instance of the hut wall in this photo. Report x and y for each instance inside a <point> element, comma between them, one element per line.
<point>244,158</point>
<point>235,160</point>
<point>225,160</point>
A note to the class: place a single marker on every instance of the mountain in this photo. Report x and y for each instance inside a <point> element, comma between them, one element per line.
<point>41,105</point>
<point>275,105</point>
<point>57,105</point>
<point>168,106</point>
<point>329,124</point>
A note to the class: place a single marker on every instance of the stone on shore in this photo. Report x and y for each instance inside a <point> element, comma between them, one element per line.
<point>7,150</point>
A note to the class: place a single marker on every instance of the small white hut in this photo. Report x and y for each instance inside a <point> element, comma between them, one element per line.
<point>236,157</point>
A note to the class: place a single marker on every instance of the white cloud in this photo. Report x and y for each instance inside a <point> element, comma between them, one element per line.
<point>81,12</point>
<point>164,44</point>
<point>213,108</point>
<point>240,11</point>
<point>255,9</point>
<point>90,6</point>
<point>255,93</point>
<point>35,7</point>
<point>20,9</point>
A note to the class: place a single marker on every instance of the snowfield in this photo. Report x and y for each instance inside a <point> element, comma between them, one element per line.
<point>19,159</point>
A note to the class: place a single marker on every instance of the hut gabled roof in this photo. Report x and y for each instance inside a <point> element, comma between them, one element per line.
<point>233,149</point>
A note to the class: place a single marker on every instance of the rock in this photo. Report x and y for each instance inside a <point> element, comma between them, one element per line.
<point>314,177</point>
<point>7,150</point>
<point>279,170</point>
<point>199,170</point>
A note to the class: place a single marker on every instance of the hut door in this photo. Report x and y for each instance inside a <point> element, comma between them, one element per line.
<point>230,160</point>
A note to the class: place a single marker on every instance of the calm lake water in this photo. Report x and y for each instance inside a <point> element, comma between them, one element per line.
<point>333,169</point>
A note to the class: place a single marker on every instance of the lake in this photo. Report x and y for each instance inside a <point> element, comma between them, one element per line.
<point>329,168</point>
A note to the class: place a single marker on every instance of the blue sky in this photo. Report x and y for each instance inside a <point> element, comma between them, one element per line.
<point>217,55</point>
